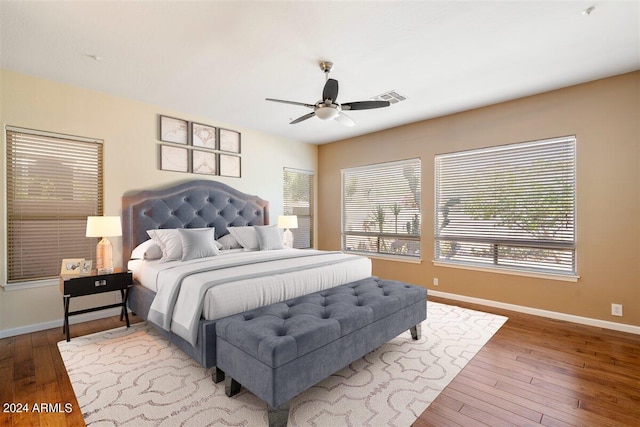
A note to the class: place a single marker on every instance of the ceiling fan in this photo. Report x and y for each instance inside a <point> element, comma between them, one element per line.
<point>327,108</point>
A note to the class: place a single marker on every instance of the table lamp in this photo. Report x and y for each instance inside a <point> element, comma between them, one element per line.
<point>287,222</point>
<point>104,226</point>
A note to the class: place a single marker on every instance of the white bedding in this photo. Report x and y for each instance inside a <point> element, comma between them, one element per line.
<point>238,281</point>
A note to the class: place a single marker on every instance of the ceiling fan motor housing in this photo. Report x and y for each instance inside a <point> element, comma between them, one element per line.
<point>326,66</point>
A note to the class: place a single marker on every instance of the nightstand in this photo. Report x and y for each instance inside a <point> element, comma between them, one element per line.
<point>76,286</point>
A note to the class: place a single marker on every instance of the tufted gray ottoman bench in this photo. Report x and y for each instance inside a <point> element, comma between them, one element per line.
<point>280,350</point>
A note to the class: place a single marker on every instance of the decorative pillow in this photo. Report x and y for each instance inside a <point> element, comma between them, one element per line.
<point>197,243</point>
<point>147,250</point>
<point>246,236</point>
<point>170,242</point>
<point>228,242</point>
<point>269,237</point>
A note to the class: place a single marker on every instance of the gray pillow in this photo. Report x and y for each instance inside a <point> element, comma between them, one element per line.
<point>198,243</point>
<point>269,237</point>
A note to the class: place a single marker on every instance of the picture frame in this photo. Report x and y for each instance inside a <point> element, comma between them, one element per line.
<point>229,141</point>
<point>71,266</point>
<point>174,130</point>
<point>174,159</point>
<point>85,267</point>
<point>204,136</point>
<point>230,165</point>
<point>204,162</point>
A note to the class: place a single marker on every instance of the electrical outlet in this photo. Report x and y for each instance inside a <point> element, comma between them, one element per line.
<point>616,310</point>
<point>435,281</point>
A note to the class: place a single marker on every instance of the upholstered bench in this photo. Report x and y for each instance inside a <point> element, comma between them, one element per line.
<point>280,350</point>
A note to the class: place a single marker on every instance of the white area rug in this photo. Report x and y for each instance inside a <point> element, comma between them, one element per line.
<point>135,377</point>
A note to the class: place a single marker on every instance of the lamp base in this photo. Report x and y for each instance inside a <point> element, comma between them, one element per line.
<point>104,257</point>
<point>287,239</point>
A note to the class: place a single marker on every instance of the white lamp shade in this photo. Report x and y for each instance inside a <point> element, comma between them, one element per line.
<point>287,221</point>
<point>103,226</point>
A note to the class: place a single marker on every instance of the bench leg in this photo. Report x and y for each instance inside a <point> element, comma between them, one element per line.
<point>416,332</point>
<point>217,375</point>
<point>231,386</point>
<point>278,417</point>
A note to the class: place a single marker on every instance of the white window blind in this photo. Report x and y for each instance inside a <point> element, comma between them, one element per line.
<point>511,206</point>
<point>53,183</point>
<point>298,200</point>
<point>381,208</point>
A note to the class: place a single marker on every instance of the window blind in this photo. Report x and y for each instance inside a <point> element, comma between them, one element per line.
<point>53,183</point>
<point>511,206</point>
<point>381,208</point>
<point>298,200</point>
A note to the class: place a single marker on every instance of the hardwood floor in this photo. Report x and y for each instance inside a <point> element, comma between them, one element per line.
<point>32,372</point>
<point>534,371</point>
<point>538,371</point>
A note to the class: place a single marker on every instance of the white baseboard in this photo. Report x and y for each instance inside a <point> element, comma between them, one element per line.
<point>5,333</point>
<point>623,327</point>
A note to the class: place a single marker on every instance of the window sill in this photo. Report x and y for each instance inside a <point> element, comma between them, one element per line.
<point>549,276</point>
<point>19,286</point>
<point>410,260</point>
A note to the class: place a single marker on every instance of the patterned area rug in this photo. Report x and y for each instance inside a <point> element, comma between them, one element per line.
<point>135,377</point>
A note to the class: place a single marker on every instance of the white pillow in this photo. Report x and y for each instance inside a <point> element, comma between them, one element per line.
<point>269,237</point>
<point>170,242</point>
<point>246,236</point>
<point>147,250</point>
<point>197,243</point>
<point>228,242</point>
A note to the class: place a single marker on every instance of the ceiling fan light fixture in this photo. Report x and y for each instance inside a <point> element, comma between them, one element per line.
<point>328,108</point>
<point>327,113</point>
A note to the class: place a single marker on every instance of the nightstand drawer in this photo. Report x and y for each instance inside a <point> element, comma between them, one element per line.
<point>90,285</point>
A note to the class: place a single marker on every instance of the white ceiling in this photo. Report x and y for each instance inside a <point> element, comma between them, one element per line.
<point>220,60</point>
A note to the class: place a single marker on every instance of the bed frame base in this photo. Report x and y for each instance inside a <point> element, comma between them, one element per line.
<point>204,352</point>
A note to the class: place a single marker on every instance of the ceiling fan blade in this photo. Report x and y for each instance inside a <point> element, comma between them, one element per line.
<point>330,90</point>
<point>305,117</point>
<point>364,105</point>
<point>344,119</point>
<point>291,102</point>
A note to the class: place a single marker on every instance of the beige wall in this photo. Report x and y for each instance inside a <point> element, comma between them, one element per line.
<point>129,130</point>
<point>605,117</point>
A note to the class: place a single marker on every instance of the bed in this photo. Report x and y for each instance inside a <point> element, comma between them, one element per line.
<point>233,281</point>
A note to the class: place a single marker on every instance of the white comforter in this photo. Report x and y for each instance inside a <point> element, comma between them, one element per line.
<point>220,286</point>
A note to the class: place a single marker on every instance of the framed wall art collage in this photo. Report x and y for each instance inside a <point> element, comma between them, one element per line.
<point>199,148</point>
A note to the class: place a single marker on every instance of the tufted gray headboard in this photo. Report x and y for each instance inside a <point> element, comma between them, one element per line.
<point>192,204</point>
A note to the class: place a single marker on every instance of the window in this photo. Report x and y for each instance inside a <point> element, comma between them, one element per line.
<point>298,200</point>
<point>511,206</point>
<point>381,209</point>
<point>53,183</point>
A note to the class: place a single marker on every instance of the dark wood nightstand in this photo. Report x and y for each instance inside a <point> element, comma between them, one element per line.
<point>76,286</point>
